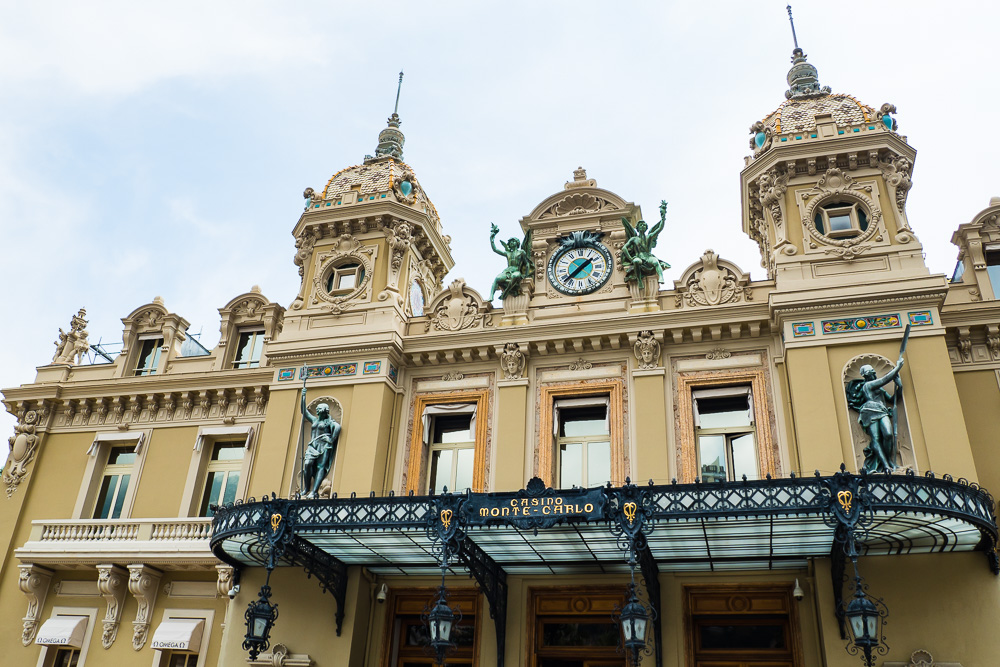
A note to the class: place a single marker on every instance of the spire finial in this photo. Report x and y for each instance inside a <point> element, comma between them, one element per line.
<point>390,140</point>
<point>395,109</point>
<point>795,39</point>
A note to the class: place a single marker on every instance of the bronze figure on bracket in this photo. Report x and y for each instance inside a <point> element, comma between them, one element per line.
<point>321,449</point>
<point>518,255</point>
<point>637,256</point>
<point>877,415</point>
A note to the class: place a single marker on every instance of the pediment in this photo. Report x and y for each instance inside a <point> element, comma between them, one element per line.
<point>577,202</point>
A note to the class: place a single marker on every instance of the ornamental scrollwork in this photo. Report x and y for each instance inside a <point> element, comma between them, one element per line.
<point>836,185</point>
<point>405,187</point>
<point>33,581</point>
<point>460,307</point>
<point>712,283</point>
<point>771,190</point>
<point>578,203</point>
<point>23,446</point>
<point>112,581</point>
<point>348,249</point>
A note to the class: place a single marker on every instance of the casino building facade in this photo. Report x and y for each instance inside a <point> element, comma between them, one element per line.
<point>597,457</point>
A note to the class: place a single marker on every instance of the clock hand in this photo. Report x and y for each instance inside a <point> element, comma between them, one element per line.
<point>580,268</point>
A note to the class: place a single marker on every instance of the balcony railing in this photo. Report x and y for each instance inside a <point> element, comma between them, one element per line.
<point>166,542</point>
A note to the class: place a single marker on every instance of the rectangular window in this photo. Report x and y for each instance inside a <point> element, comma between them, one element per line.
<point>993,270</point>
<point>66,657</point>
<point>182,660</point>
<point>148,358</point>
<point>724,423</point>
<point>222,478</point>
<point>452,453</point>
<point>248,349</point>
<point>114,485</point>
<point>583,440</point>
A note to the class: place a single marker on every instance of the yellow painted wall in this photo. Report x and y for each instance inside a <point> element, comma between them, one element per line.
<point>980,395</point>
<point>650,414</point>
<point>161,485</point>
<point>510,440</point>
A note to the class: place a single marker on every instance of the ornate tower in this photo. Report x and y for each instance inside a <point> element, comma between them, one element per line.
<point>824,192</point>
<point>369,246</point>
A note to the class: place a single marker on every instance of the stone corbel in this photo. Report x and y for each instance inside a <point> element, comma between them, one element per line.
<point>993,340</point>
<point>143,584</point>
<point>112,581</point>
<point>965,343</point>
<point>226,579</point>
<point>34,583</point>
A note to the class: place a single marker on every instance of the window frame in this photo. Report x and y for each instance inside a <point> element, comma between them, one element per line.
<point>851,208</point>
<point>687,436</point>
<point>992,251</point>
<point>336,274</point>
<point>97,462</point>
<point>158,355</point>
<point>46,656</point>
<point>417,464</point>
<point>257,332</point>
<point>728,432</point>
<point>201,456</point>
<point>433,446</point>
<point>585,440</point>
<point>161,658</point>
<point>546,455</point>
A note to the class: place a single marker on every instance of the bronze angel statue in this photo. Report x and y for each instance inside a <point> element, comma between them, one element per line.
<point>637,256</point>
<point>518,254</point>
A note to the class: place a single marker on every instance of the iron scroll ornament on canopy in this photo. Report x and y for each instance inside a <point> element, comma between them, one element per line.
<point>631,519</point>
<point>863,617</point>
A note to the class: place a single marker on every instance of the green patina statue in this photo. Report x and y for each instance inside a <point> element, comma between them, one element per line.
<point>877,415</point>
<point>518,254</point>
<point>637,253</point>
<point>322,448</point>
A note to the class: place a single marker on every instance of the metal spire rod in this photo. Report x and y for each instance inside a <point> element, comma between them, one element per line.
<point>400,87</point>
<point>790,20</point>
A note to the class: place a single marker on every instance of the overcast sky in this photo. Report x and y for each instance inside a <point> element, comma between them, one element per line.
<point>162,148</point>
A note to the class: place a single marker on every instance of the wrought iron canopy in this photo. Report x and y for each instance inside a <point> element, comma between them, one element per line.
<point>744,525</point>
<point>763,524</point>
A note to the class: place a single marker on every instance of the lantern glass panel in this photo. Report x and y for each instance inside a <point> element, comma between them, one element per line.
<point>259,626</point>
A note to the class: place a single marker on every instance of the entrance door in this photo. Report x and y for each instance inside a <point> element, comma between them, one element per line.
<point>574,627</point>
<point>742,626</point>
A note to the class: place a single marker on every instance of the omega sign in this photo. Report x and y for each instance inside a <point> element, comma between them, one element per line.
<point>526,508</point>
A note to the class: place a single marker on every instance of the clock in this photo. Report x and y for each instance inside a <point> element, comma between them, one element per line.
<point>580,265</point>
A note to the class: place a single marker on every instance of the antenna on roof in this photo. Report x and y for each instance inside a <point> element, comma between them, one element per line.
<point>400,87</point>
<point>790,20</point>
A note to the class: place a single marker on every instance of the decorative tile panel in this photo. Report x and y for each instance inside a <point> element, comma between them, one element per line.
<point>393,372</point>
<point>371,367</point>
<point>330,370</point>
<point>803,329</point>
<point>861,323</point>
<point>921,318</point>
<point>286,374</point>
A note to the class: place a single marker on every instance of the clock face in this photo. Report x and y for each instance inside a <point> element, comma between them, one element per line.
<point>580,270</point>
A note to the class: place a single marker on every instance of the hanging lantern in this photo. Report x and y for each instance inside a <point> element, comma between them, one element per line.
<point>440,620</point>
<point>260,616</point>
<point>634,618</point>
<point>864,621</point>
